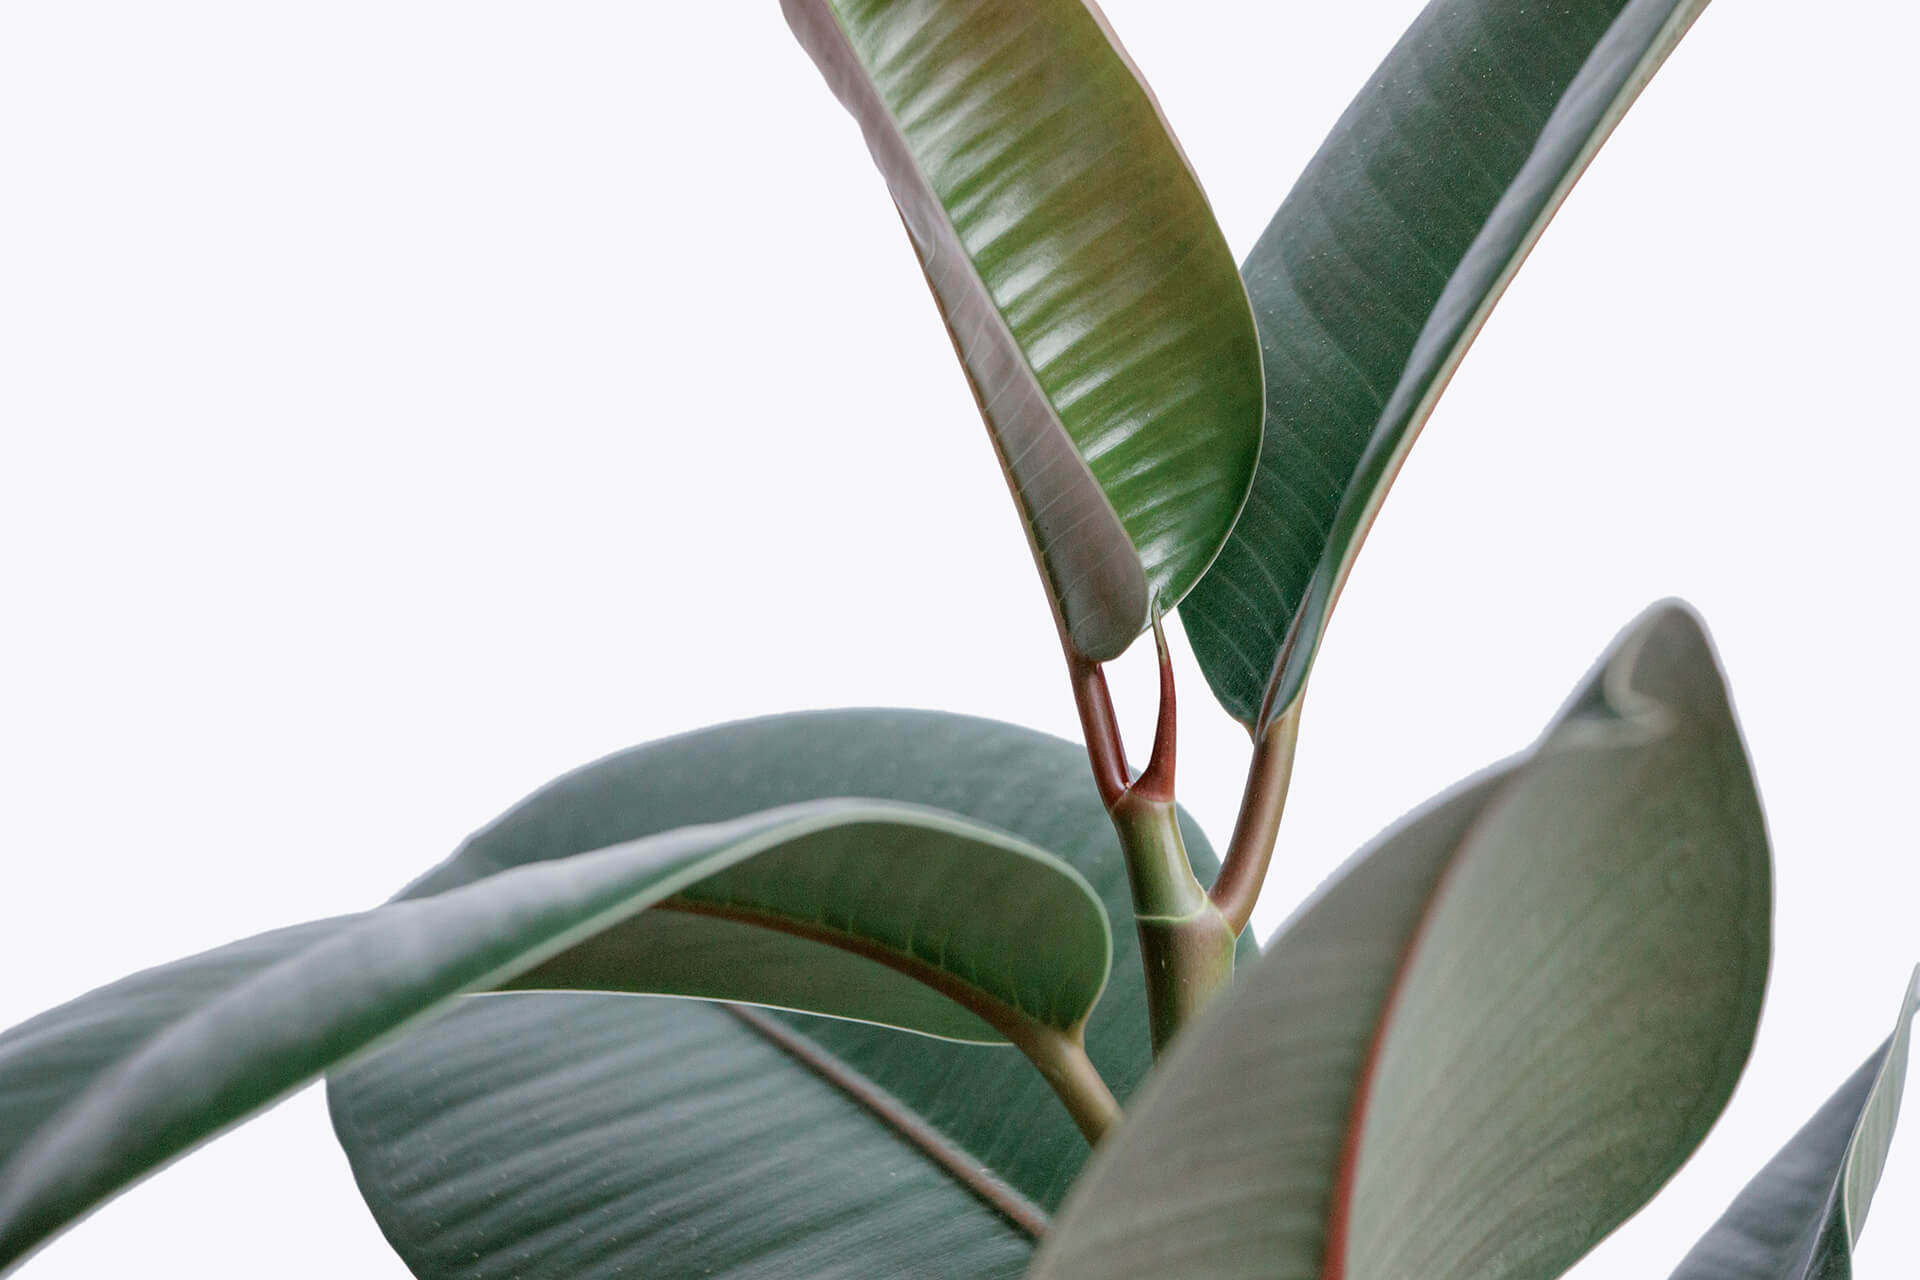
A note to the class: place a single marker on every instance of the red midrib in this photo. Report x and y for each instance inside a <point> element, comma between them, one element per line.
<point>1340,1212</point>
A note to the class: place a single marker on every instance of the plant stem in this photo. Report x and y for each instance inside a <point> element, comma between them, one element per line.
<point>1156,780</point>
<point>1062,1059</point>
<point>1186,945</point>
<point>1244,867</point>
<point>1097,724</point>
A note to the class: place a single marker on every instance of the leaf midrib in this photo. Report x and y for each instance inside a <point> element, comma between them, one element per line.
<point>1016,1024</point>
<point>955,1160</point>
<point>1333,1262</point>
<point>1085,481</point>
<point>1441,372</point>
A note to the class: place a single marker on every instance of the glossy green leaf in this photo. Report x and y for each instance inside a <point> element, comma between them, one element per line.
<point>101,1091</point>
<point>630,1132</point>
<point>889,915</point>
<point>1489,1039</point>
<point>1376,274</point>
<point>1088,292</point>
<point>1800,1218</point>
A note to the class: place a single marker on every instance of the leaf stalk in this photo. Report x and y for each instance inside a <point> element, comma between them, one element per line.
<point>1062,1058</point>
<point>1243,869</point>
<point>1098,724</point>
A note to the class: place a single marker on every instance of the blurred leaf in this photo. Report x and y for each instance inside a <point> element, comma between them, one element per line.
<point>1487,1041</point>
<point>1087,290</point>
<point>641,1127</point>
<point>105,1089</point>
<point>1800,1218</point>
<point>1376,274</point>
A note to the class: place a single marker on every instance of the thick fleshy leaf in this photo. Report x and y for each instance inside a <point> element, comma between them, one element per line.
<point>1088,292</point>
<point>593,1136</point>
<point>889,915</point>
<point>1375,275</point>
<point>1800,1218</point>
<point>101,1091</point>
<point>1488,1040</point>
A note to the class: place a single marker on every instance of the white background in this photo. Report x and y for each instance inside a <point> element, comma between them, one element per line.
<point>401,403</point>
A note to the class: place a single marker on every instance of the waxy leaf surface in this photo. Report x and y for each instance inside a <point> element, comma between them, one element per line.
<point>1490,1038</point>
<point>101,1091</point>
<point>1087,290</point>
<point>586,1136</point>
<point>1800,1218</point>
<point>1376,274</point>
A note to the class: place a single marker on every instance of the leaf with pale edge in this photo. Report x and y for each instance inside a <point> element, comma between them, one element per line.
<point>1376,274</point>
<point>1090,297</point>
<point>1489,1039</point>
<point>1800,1218</point>
<point>105,1089</point>
<point>584,1137</point>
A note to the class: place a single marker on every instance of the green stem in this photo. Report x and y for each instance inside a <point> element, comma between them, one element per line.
<point>1186,945</point>
<point>1062,1059</point>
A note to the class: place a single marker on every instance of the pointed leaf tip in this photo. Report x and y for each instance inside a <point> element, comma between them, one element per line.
<point>1495,1033</point>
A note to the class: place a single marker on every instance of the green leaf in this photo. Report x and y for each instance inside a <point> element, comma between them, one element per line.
<point>1089,295</point>
<point>1800,1218</point>
<point>1491,1038</point>
<point>108,1087</point>
<point>629,1133</point>
<point>910,918</point>
<point>1375,276</point>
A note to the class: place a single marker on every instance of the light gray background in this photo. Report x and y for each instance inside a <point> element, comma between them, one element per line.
<point>401,403</point>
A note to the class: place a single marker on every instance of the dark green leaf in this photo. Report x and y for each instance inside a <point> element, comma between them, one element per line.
<point>591,1136</point>
<point>1374,277</point>
<point>1087,290</point>
<point>1800,1218</point>
<point>1486,1042</point>
<point>872,918</point>
<point>106,1088</point>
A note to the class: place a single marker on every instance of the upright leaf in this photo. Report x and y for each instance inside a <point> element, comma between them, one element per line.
<point>1375,276</point>
<point>1087,290</point>
<point>584,1136</point>
<point>1800,1218</point>
<point>108,1087</point>
<point>1490,1039</point>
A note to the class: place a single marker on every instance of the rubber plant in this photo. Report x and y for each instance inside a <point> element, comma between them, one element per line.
<point>927,964</point>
